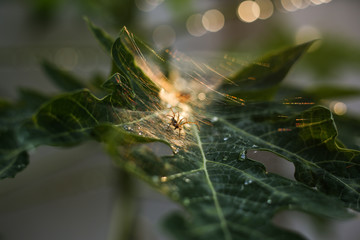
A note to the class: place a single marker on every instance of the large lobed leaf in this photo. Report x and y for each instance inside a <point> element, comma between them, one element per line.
<point>226,195</point>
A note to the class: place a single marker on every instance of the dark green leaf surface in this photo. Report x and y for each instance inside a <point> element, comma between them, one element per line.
<point>259,80</point>
<point>104,39</point>
<point>227,195</point>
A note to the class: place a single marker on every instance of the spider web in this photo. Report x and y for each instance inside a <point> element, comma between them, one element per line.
<point>184,87</point>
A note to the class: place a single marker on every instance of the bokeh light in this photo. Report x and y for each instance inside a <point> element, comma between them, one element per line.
<point>266,8</point>
<point>213,20</point>
<point>164,36</point>
<point>288,5</point>
<point>339,108</point>
<point>202,96</point>
<point>248,11</point>
<point>194,25</point>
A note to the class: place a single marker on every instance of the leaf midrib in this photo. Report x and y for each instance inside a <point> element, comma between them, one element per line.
<point>218,208</point>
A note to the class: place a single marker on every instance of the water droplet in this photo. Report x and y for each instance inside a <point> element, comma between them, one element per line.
<point>247,182</point>
<point>226,138</point>
<point>140,133</point>
<point>214,119</point>
<point>269,201</point>
<point>176,150</point>
<point>242,156</point>
<point>186,201</point>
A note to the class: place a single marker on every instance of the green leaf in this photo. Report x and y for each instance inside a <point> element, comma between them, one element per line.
<point>260,80</point>
<point>104,38</point>
<point>226,195</point>
<point>123,51</point>
<point>61,78</point>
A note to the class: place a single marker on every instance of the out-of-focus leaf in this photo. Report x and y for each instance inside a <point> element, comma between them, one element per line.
<point>61,78</point>
<point>319,92</point>
<point>104,38</point>
<point>259,80</point>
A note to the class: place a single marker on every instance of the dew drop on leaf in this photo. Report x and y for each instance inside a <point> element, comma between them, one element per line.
<point>226,138</point>
<point>214,119</point>
<point>242,156</point>
<point>176,150</point>
<point>269,201</point>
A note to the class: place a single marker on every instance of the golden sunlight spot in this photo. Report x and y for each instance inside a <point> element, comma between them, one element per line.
<point>163,179</point>
<point>213,20</point>
<point>202,96</point>
<point>266,8</point>
<point>168,97</point>
<point>339,108</point>
<point>307,33</point>
<point>147,5</point>
<point>164,36</point>
<point>248,11</point>
<point>185,109</point>
<point>194,25</point>
<point>288,5</point>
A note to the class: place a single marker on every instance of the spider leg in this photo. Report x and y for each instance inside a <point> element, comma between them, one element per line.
<point>191,123</point>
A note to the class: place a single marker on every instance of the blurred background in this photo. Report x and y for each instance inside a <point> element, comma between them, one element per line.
<point>69,193</point>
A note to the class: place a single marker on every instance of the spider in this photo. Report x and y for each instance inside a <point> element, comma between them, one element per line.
<point>177,123</point>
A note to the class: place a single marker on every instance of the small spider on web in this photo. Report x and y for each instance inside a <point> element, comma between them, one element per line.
<point>177,122</point>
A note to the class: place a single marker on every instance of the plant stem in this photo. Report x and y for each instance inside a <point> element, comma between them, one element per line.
<point>123,220</point>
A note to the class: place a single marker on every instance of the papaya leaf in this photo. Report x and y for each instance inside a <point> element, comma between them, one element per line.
<point>64,80</point>
<point>260,80</point>
<point>226,194</point>
<point>105,40</point>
